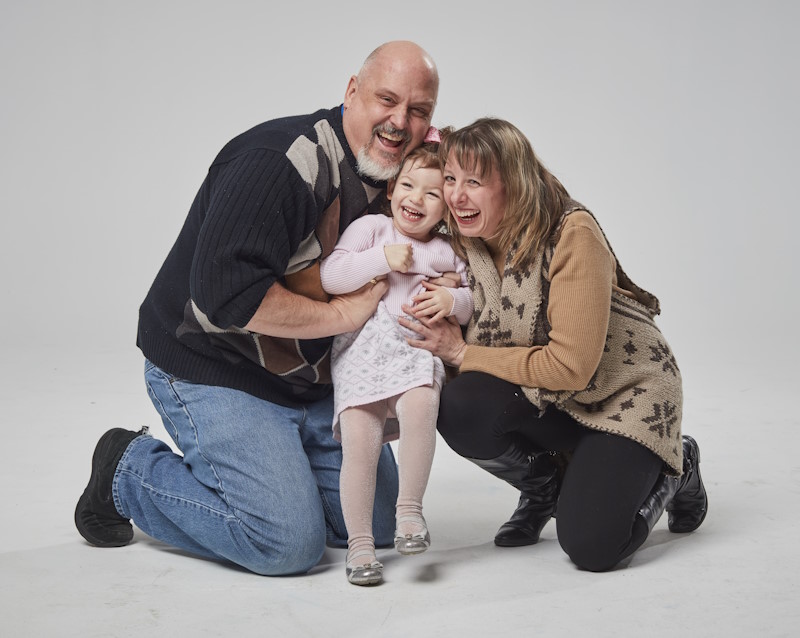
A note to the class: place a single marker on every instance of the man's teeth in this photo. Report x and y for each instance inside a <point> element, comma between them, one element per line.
<point>391,137</point>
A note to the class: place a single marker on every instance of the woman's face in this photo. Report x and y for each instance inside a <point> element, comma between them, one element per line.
<point>478,204</point>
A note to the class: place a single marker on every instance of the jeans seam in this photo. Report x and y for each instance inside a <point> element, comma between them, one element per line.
<point>220,488</point>
<point>328,510</point>
<point>163,411</point>
<point>120,470</point>
<point>170,380</point>
<point>178,499</point>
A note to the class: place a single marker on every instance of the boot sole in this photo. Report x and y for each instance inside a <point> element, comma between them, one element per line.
<point>513,543</point>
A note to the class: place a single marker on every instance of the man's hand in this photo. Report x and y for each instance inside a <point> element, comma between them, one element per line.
<point>356,307</point>
<point>399,256</point>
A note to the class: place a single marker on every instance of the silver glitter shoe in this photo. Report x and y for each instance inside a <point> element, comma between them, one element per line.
<point>369,574</point>
<point>410,544</point>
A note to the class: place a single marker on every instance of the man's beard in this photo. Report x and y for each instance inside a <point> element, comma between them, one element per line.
<point>368,167</point>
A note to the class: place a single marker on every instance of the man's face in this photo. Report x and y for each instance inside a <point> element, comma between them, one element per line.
<point>388,110</point>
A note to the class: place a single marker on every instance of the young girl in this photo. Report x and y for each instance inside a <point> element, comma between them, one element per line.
<point>376,374</point>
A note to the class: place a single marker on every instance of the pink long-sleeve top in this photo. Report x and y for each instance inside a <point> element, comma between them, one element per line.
<point>359,256</point>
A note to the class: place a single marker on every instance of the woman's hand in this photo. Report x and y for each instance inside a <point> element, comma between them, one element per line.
<point>448,280</point>
<point>442,338</point>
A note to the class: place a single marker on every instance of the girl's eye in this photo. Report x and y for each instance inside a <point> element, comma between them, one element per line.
<point>434,195</point>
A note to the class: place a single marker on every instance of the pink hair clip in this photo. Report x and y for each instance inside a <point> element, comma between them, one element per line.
<point>433,135</point>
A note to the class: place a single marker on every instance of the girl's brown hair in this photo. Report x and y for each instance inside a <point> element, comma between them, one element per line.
<point>424,156</point>
<point>535,198</point>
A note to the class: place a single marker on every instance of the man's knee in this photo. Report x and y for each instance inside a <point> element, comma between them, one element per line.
<point>290,556</point>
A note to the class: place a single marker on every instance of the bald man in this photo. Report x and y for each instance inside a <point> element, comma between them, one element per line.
<point>236,333</point>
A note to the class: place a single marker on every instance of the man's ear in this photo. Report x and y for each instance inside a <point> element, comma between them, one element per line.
<point>352,88</point>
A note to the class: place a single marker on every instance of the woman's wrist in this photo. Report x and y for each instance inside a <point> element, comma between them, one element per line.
<point>458,357</point>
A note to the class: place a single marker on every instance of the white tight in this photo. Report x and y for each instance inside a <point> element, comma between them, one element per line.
<point>362,438</point>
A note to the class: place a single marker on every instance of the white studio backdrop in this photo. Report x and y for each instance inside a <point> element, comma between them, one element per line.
<point>675,123</point>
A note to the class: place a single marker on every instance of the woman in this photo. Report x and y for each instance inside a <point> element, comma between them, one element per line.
<point>566,389</point>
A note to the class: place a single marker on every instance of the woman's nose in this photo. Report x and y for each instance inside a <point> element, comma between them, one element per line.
<point>456,194</point>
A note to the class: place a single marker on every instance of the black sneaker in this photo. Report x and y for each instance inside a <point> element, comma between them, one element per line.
<point>96,518</point>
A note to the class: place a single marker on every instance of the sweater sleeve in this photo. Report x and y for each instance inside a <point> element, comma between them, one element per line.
<point>579,305</point>
<point>355,259</point>
<point>259,210</point>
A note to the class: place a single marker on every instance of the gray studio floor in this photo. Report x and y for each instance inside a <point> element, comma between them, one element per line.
<point>736,576</point>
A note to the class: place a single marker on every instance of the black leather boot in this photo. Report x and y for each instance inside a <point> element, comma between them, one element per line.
<point>687,509</point>
<point>537,478</point>
<point>684,497</point>
<point>96,517</point>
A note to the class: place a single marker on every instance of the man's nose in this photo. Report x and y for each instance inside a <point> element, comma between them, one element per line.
<point>398,118</point>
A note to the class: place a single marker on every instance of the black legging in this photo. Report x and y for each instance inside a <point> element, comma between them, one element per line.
<point>606,481</point>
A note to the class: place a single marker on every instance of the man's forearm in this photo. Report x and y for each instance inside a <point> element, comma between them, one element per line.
<point>283,313</point>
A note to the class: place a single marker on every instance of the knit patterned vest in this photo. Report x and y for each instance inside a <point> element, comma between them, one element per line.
<point>636,389</point>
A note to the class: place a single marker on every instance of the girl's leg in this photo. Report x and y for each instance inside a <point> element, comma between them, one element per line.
<point>416,411</point>
<point>606,482</point>
<point>362,439</point>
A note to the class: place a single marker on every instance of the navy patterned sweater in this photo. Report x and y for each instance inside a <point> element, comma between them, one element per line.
<point>273,204</point>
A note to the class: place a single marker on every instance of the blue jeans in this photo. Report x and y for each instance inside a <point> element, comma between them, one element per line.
<point>257,485</point>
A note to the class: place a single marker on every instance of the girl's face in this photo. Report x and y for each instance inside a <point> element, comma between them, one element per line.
<point>478,203</point>
<point>417,201</point>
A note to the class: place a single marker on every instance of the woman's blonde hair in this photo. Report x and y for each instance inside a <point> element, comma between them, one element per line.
<point>535,198</point>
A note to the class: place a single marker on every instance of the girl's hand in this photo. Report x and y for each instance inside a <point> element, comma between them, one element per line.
<point>442,338</point>
<point>435,303</point>
<point>399,256</point>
